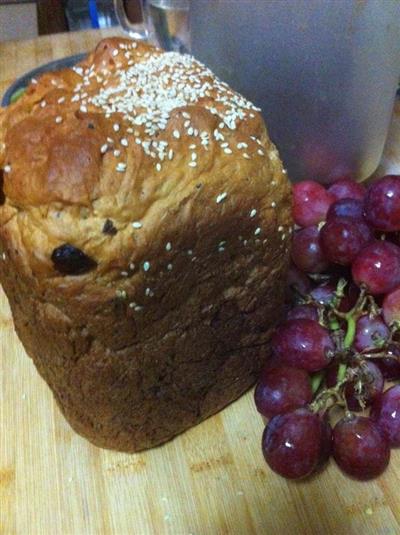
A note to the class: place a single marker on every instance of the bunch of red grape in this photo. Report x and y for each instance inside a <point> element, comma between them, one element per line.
<point>341,339</point>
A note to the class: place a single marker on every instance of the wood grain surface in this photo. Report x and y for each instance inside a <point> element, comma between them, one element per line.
<point>212,480</point>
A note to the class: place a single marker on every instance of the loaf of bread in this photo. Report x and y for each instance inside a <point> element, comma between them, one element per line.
<point>144,235</point>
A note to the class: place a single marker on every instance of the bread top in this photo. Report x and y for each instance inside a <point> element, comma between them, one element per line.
<point>99,156</point>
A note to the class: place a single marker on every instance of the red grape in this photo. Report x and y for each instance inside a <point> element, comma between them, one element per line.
<point>370,332</point>
<point>323,294</point>
<point>352,208</point>
<point>282,389</point>
<point>390,365</point>
<point>326,444</point>
<point>386,412</point>
<point>346,188</point>
<point>390,368</point>
<point>303,311</point>
<point>378,267</point>
<point>306,251</point>
<point>292,443</point>
<point>303,343</point>
<point>311,202</point>
<point>371,380</point>
<point>391,306</point>
<point>359,448</point>
<point>343,238</point>
<point>382,204</point>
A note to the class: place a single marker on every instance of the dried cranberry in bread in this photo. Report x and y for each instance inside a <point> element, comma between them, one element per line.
<point>145,225</point>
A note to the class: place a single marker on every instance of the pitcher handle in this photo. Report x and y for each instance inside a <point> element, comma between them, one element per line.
<point>126,23</point>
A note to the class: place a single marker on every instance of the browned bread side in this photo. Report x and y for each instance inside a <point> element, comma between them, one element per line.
<point>144,239</point>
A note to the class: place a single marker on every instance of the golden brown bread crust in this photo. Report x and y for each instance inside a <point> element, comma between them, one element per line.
<point>168,182</point>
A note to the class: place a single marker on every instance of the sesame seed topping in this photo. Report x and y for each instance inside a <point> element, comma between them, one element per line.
<point>194,156</point>
<point>228,151</point>
<point>192,164</point>
<point>121,294</point>
<point>170,154</point>
<point>7,169</point>
<point>283,237</point>
<point>121,167</point>
<point>192,146</point>
<point>245,155</point>
<point>158,166</point>
<point>260,152</point>
<point>221,197</point>
<point>124,142</point>
<point>280,228</point>
<point>117,153</point>
<point>257,231</point>
<point>103,148</point>
<point>58,119</point>
<point>253,212</point>
<point>145,93</point>
<point>43,104</point>
<point>137,224</point>
<point>284,171</point>
<point>83,109</point>
<point>61,100</point>
<point>137,308</point>
<point>189,252</point>
<point>146,266</point>
<point>124,274</point>
<point>132,266</point>
<point>168,246</point>
<point>169,267</point>
<point>273,204</point>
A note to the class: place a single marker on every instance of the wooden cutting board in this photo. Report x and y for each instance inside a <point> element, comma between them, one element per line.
<point>211,480</point>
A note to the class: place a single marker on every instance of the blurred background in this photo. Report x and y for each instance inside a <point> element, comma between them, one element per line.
<point>26,19</point>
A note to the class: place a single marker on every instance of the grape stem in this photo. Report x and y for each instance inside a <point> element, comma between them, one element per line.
<point>322,399</point>
<point>350,333</point>
<point>316,381</point>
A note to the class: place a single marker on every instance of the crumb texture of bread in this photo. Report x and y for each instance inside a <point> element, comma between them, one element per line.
<point>144,240</point>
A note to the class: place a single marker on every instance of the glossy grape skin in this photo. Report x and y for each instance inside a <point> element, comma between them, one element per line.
<point>343,238</point>
<point>382,204</point>
<point>378,267</point>
<point>282,389</point>
<point>326,441</point>
<point>303,343</point>
<point>292,443</point>
<point>346,188</point>
<point>391,306</point>
<point>323,294</point>
<point>306,251</point>
<point>351,208</point>
<point>386,412</point>
<point>303,312</point>
<point>311,202</point>
<point>373,383</point>
<point>370,332</point>
<point>359,448</point>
